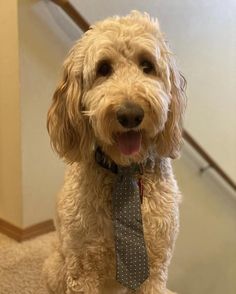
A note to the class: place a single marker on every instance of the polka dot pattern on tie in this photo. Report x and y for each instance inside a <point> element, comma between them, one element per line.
<point>131,256</point>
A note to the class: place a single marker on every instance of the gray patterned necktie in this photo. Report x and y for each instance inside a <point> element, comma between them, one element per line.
<point>131,256</point>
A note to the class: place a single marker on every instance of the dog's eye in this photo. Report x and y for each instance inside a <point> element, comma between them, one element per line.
<point>147,66</point>
<point>104,69</point>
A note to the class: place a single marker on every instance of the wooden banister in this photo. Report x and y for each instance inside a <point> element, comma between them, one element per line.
<point>84,26</point>
<point>211,162</point>
<point>73,14</point>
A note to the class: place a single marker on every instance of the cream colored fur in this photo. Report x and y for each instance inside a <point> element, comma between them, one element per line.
<point>83,116</point>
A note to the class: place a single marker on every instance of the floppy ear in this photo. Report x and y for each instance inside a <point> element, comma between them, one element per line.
<point>169,140</point>
<point>67,127</point>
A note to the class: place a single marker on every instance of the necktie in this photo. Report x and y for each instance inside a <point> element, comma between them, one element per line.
<point>131,256</point>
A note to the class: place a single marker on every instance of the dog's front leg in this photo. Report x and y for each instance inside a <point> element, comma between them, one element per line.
<point>85,271</point>
<point>154,287</point>
<point>85,284</point>
<point>68,276</point>
<point>155,284</point>
<point>54,273</point>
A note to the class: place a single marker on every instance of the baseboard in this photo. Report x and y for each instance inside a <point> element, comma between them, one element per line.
<point>21,235</point>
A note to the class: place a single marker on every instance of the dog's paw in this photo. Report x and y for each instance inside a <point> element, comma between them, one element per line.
<point>170,292</point>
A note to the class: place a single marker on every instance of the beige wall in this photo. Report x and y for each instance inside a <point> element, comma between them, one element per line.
<point>43,46</point>
<point>34,44</point>
<point>10,141</point>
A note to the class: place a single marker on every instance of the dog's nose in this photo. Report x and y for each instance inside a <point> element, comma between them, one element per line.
<point>130,115</point>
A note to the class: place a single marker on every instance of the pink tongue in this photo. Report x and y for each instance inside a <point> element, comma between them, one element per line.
<point>129,142</point>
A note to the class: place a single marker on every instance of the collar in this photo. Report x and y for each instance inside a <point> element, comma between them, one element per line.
<point>138,168</point>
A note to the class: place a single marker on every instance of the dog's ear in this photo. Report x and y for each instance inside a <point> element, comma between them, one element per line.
<point>169,140</point>
<point>67,127</point>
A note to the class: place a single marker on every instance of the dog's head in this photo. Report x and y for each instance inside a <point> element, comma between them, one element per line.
<point>120,91</point>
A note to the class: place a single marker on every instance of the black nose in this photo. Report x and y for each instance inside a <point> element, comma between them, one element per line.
<point>130,115</point>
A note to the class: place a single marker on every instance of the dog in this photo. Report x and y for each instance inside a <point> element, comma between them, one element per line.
<point>122,94</point>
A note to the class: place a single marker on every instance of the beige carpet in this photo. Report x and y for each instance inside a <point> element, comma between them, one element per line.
<point>21,264</point>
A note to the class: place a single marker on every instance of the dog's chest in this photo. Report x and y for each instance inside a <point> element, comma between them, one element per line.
<point>158,207</point>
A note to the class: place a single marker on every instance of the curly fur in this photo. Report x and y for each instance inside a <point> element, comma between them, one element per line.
<point>83,116</point>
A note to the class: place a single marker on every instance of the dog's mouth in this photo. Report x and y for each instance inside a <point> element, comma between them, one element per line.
<point>129,143</point>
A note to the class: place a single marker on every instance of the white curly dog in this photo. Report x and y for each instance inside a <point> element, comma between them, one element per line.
<point>121,92</point>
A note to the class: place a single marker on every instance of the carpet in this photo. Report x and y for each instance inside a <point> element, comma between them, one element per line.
<point>21,264</point>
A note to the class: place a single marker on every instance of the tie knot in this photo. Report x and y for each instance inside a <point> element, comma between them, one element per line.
<point>132,169</point>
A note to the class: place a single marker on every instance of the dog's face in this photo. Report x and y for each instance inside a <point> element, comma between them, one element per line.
<point>120,91</point>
